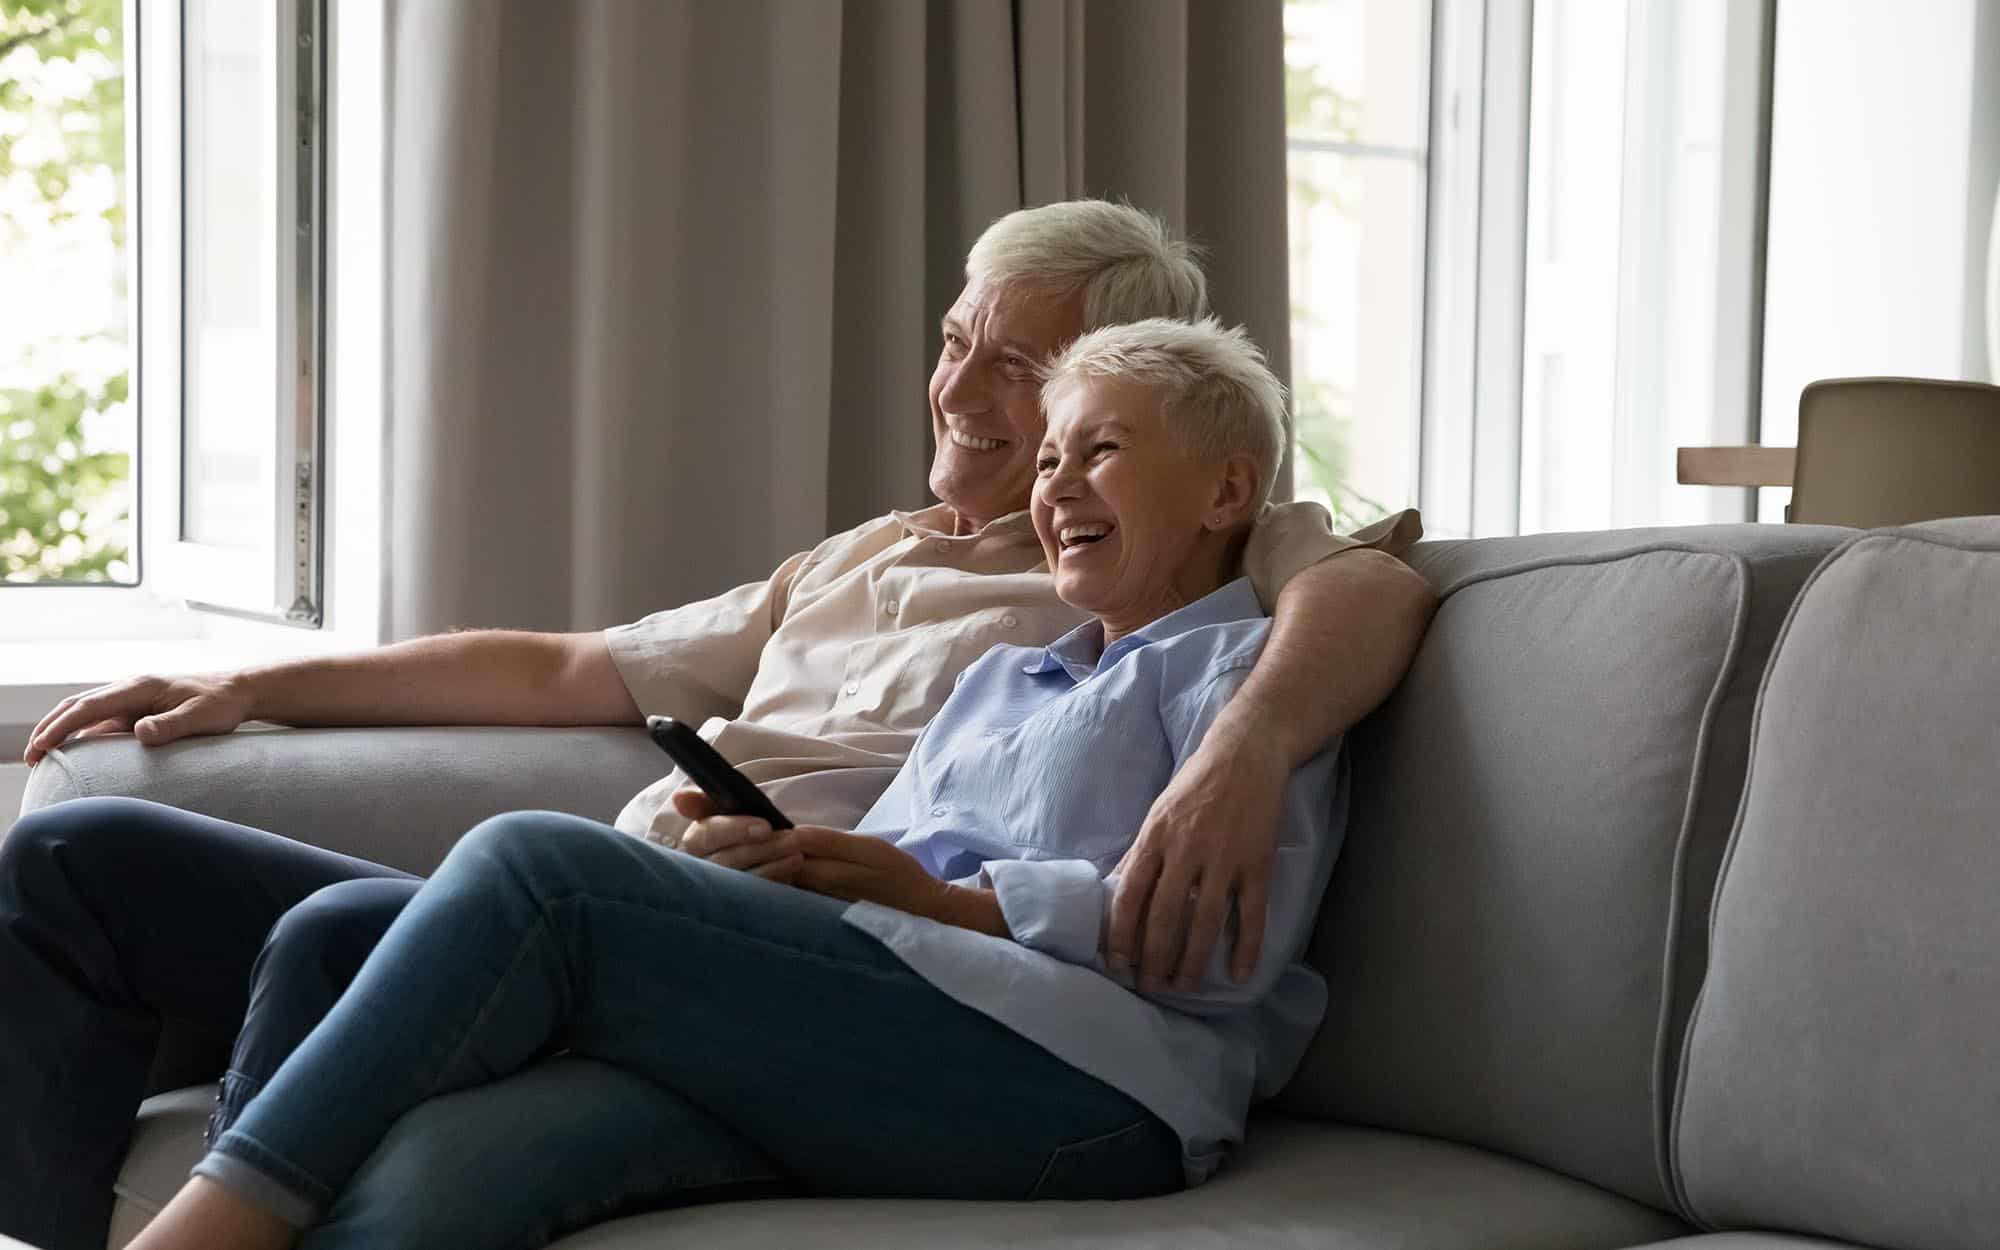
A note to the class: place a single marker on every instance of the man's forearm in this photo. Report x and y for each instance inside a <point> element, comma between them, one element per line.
<point>1343,634</point>
<point>487,677</point>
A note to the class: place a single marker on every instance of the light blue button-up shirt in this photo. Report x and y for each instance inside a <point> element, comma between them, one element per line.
<point>1033,780</point>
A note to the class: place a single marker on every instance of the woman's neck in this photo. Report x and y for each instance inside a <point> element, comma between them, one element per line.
<point>1212,565</point>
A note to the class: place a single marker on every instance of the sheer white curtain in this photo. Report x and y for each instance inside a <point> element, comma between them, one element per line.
<point>664,275</point>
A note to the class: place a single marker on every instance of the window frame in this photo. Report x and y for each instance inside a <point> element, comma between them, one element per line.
<point>1475,257</point>
<point>355,321</point>
<point>283,578</point>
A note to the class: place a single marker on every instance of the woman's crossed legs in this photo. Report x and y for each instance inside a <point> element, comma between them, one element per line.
<point>727,1035</point>
<point>563,1144</point>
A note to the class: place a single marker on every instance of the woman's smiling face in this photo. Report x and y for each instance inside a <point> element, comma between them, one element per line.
<point>1133,524</point>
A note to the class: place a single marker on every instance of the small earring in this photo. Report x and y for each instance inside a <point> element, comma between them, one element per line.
<point>1215,522</point>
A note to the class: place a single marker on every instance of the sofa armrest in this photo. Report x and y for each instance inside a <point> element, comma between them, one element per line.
<point>397,796</point>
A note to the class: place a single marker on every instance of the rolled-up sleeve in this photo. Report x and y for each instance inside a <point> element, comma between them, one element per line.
<point>1055,906</point>
<point>1291,537</point>
<point>698,661</point>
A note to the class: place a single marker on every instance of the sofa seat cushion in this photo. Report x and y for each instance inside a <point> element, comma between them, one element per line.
<point>166,1143</point>
<point>1297,1183</point>
<point>1748,1241</point>
<point>1842,1076</point>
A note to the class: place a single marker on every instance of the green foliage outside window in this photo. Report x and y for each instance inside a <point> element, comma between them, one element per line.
<point>64,490</point>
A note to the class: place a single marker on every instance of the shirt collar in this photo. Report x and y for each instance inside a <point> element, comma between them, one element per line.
<point>939,521</point>
<point>1081,651</point>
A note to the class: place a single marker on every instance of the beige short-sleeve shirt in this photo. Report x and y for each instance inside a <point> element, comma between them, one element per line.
<point>816,682</point>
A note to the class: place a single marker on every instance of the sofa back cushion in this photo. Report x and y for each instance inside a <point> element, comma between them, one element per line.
<point>1533,814</point>
<point>1843,1064</point>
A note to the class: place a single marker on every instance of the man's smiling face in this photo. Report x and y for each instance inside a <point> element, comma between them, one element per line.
<point>985,396</point>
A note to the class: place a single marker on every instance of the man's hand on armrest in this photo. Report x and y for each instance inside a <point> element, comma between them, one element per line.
<point>477,678</point>
<point>157,709</point>
<point>1344,632</point>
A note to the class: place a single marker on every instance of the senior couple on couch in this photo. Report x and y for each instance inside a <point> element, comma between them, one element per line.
<point>1066,803</point>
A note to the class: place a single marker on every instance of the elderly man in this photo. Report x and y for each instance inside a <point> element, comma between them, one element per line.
<point>115,915</point>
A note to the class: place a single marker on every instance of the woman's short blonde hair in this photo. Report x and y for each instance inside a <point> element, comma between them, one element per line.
<point>1215,389</point>
<point>1125,261</point>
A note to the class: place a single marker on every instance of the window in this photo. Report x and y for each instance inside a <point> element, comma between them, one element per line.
<point>163,190</point>
<point>1357,82</point>
<point>1522,255</point>
<point>68,433</point>
<point>1620,326</point>
<point>233,204</point>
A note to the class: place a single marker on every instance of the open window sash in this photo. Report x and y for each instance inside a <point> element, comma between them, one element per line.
<point>232,273</point>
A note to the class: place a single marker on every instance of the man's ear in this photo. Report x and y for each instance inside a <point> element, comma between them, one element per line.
<point>1235,496</point>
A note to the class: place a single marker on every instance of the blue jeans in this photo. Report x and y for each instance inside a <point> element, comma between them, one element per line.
<point>309,958</point>
<point>567,1023</point>
<point>119,917</point>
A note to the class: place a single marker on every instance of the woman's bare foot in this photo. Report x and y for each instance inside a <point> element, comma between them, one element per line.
<point>205,1216</point>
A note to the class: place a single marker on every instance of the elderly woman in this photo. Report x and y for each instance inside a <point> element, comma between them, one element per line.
<point>917,1008</point>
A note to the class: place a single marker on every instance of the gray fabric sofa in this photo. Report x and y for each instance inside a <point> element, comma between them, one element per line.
<point>1665,916</point>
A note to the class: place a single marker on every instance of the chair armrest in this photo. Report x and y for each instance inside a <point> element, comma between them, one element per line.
<point>397,796</point>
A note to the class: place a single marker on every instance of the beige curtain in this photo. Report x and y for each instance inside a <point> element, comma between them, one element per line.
<point>665,275</point>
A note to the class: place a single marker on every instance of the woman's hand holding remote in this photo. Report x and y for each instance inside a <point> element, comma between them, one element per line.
<point>745,843</point>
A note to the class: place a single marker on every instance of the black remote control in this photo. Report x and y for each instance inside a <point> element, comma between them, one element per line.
<point>732,792</point>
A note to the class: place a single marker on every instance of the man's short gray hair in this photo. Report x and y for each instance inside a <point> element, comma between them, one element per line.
<point>1215,389</point>
<point>1125,261</point>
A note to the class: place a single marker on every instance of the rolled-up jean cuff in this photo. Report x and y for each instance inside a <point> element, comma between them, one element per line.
<point>238,1089</point>
<point>263,1180</point>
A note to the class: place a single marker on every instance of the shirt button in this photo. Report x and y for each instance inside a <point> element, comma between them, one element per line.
<point>854,687</point>
<point>890,607</point>
<point>1009,621</point>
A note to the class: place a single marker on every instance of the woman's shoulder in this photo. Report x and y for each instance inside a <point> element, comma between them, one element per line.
<point>1227,630</point>
<point>1193,658</point>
